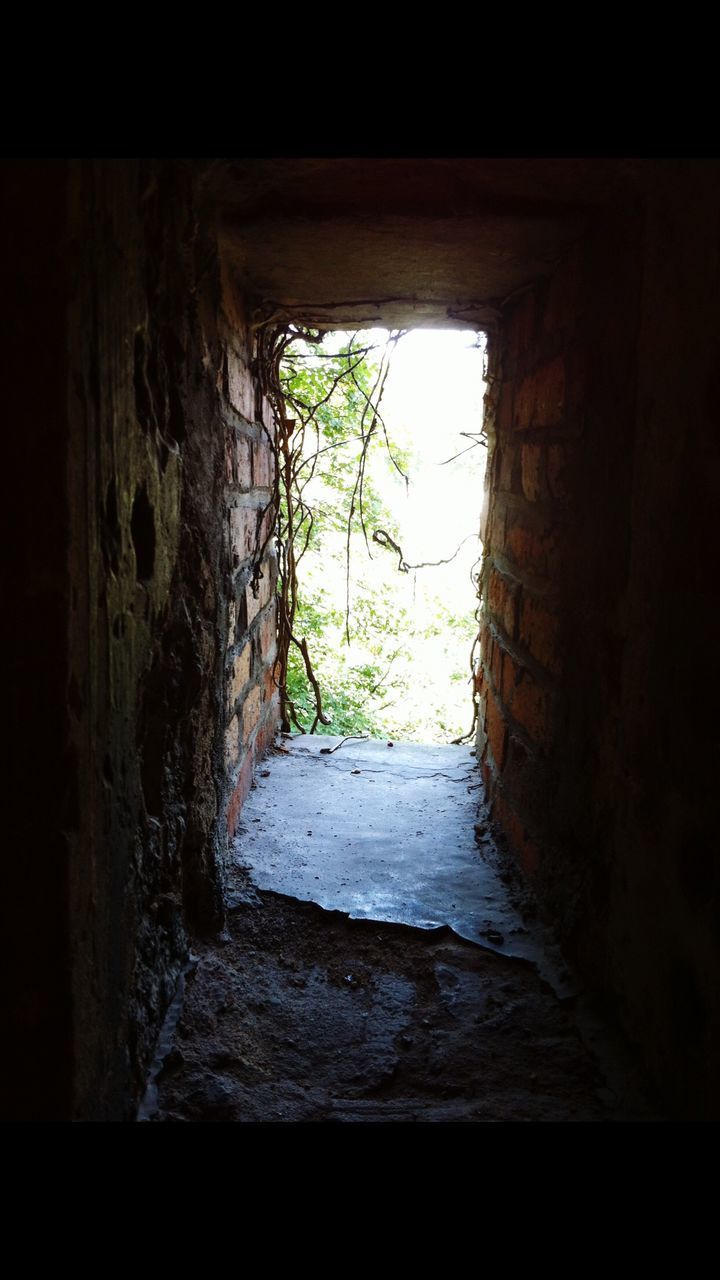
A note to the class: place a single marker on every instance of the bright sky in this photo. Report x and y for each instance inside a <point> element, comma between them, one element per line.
<point>434,393</point>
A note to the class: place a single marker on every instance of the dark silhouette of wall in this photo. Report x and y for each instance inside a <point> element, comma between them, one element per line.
<point>42,772</point>
<point>598,725</point>
<point>130,603</point>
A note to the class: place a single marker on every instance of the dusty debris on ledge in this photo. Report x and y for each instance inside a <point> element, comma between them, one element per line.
<point>402,985</point>
<point>304,1015</point>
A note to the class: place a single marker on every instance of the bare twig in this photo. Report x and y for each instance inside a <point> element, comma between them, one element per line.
<point>290,517</point>
<point>384,540</point>
<point>476,438</point>
<point>287,517</point>
<point>328,751</point>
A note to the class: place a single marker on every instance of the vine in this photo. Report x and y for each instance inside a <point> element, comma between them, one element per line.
<point>288,518</point>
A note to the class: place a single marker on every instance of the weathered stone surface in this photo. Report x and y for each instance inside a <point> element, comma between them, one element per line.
<point>145,602</point>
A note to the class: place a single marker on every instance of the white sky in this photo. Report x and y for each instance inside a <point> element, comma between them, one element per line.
<point>433,393</point>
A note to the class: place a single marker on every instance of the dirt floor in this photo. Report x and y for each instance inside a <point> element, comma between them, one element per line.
<point>300,1014</point>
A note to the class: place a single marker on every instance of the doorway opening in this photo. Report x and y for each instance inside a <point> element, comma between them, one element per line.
<point>380,465</point>
<point>380,462</point>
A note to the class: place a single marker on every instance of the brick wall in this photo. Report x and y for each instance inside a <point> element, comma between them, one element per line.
<point>533,426</point>
<point>662,749</point>
<point>598,722</point>
<point>252,701</point>
<point>560,412</point>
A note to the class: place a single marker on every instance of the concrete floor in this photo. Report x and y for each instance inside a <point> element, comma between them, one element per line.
<point>387,832</point>
<point>376,966</point>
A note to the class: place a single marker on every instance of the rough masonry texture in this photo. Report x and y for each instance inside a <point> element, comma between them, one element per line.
<point>252,703</point>
<point>159,468</point>
<point>595,730</point>
<point>138,470</point>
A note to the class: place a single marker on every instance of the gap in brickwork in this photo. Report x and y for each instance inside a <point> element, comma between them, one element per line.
<point>409,601</point>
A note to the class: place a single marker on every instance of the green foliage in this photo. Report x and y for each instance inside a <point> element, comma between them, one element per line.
<point>372,685</point>
<point>354,691</point>
<point>331,394</point>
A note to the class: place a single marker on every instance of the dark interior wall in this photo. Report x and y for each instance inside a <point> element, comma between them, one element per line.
<point>560,417</point>
<point>147,632</point>
<point>126,362</point>
<point>40,773</point>
<point>160,367</point>
<point>664,908</point>
<point>596,747</point>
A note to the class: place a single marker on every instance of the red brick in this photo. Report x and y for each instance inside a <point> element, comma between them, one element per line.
<point>232,743</point>
<point>265,591</point>
<point>524,403</point>
<point>268,522</point>
<point>505,414</point>
<point>238,460</point>
<point>516,833</point>
<point>511,675</point>
<point>556,468</point>
<point>263,738</point>
<point>531,462</point>
<point>539,632</point>
<point>534,551</point>
<point>255,604</point>
<point>540,397</point>
<point>550,402</point>
<point>239,795</point>
<point>505,470</point>
<point>488,775</point>
<point>268,635</point>
<point>485,641</point>
<point>528,704</point>
<point>501,601</point>
<point>251,710</point>
<point>487,649</point>
<point>243,463</point>
<point>243,531</point>
<point>496,730</point>
<point>263,464</point>
<point>239,675</point>
<point>240,386</point>
<point>269,686</point>
<point>268,729</point>
<point>266,415</point>
<point>496,665</point>
<point>243,524</point>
